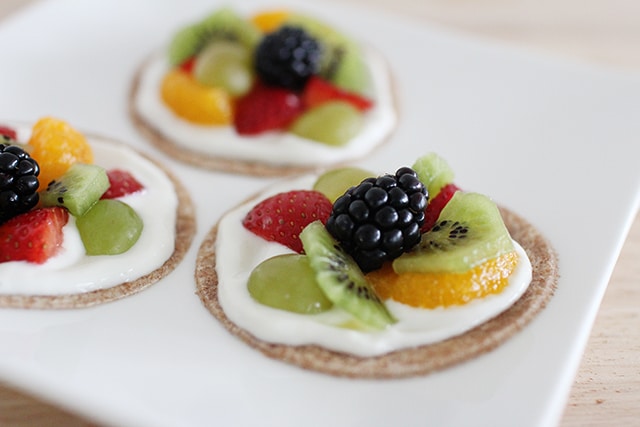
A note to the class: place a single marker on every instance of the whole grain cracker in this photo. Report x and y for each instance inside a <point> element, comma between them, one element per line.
<point>185,230</point>
<point>414,361</point>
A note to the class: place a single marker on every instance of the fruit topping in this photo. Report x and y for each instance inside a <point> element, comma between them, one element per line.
<point>287,58</point>
<point>121,183</point>
<point>434,172</point>
<point>194,101</point>
<point>223,24</point>
<point>33,236</point>
<point>8,133</point>
<point>342,62</point>
<point>380,219</point>
<point>436,204</point>
<point>187,66</point>
<point>18,181</point>
<point>282,217</point>
<point>275,71</point>
<point>288,282</point>
<point>110,227</point>
<point>333,123</point>
<point>335,182</point>
<point>78,189</point>
<point>266,108</point>
<point>226,65</point>
<point>318,91</point>
<point>270,20</point>
<point>443,289</point>
<point>56,146</point>
<point>469,232</point>
<point>341,279</point>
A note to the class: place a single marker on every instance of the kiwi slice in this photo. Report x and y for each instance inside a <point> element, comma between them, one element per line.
<point>223,24</point>
<point>434,172</point>
<point>78,189</point>
<point>342,61</point>
<point>341,279</point>
<point>469,231</point>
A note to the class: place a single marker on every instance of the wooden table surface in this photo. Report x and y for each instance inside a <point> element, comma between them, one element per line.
<point>606,391</point>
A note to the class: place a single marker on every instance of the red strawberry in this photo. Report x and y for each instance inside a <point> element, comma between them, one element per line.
<point>318,91</point>
<point>122,183</point>
<point>266,108</point>
<point>435,206</point>
<point>8,132</point>
<point>282,217</point>
<point>188,64</point>
<point>34,236</point>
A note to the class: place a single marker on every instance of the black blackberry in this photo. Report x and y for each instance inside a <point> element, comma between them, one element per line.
<point>287,58</point>
<point>379,219</point>
<point>18,181</point>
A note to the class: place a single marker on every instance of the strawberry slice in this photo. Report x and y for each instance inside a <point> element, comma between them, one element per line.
<point>435,206</point>
<point>121,183</point>
<point>266,108</point>
<point>8,132</point>
<point>318,91</point>
<point>34,236</point>
<point>187,65</point>
<point>282,217</point>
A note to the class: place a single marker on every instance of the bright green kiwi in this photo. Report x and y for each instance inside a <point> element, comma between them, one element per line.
<point>333,123</point>
<point>288,282</point>
<point>469,231</point>
<point>341,279</point>
<point>224,24</point>
<point>78,189</point>
<point>335,182</point>
<point>110,227</point>
<point>434,172</point>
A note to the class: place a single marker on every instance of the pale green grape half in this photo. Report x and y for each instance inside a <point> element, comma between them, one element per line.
<point>288,282</point>
<point>110,227</point>
<point>335,182</point>
<point>333,123</point>
<point>226,65</point>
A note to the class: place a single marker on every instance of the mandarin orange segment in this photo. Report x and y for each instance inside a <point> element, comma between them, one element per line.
<point>56,146</point>
<point>431,290</point>
<point>196,102</point>
<point>269,21</point>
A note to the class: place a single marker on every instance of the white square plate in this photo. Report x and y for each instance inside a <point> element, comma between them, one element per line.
<point>555,141</point>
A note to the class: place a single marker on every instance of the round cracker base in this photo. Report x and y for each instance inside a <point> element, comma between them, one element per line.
<point>185,231</point>
<point>219,163</point>
<point>412,361</point>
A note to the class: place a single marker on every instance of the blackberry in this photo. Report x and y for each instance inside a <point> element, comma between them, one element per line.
<point>287,58</point>
<point>18,181</point>
<point>379,219</point>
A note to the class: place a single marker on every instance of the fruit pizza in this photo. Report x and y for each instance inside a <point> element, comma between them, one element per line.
<point>274,93</point>
<point>83,219</point>
<point>357,274</point>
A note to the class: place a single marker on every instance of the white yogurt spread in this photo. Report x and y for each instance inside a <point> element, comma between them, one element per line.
<point>238,252</point>
<point>270,147</point>
<point>71,271</point>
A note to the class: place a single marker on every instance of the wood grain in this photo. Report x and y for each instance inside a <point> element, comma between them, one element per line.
<point>607,386</point>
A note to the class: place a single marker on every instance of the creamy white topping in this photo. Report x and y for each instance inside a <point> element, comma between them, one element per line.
<point>269,147</point>
<point>239,251</point>
<point>71,271</point>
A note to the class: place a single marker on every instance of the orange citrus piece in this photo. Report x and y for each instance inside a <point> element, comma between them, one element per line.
<point>431,290</point>
<point>196,102</point>
<point>270,20</point>
<point>56,146</point>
